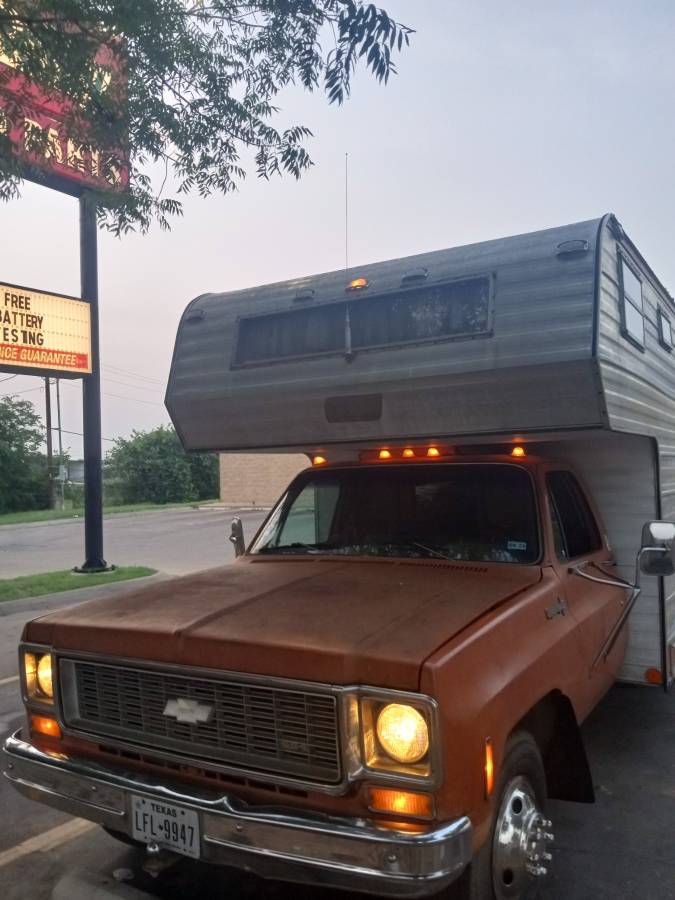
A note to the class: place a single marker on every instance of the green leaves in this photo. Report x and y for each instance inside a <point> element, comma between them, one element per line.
<point>199,104</point>
<point>151,466</point>
<point>23,472</point>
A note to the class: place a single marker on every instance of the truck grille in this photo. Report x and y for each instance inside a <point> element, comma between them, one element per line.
<point>249,725</point>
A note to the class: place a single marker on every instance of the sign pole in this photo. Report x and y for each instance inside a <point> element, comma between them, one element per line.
<point>91,396</point>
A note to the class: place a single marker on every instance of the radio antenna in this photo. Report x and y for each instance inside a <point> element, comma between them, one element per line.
<point>346,212</point>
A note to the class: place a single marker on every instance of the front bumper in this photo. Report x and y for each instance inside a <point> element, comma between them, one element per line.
<point>287,845</point>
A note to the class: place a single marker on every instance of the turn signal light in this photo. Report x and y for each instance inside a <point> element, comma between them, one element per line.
<point>401,803</point>
<point>45,725</point>
<point>489,768</point>
<point>319,461</point>
<point>518,451</point>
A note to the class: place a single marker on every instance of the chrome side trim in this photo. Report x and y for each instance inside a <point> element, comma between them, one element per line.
<point>306,847</point>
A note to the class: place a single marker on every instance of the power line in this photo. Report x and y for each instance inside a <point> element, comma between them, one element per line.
<point>8,379</point>
<point>119,371</point>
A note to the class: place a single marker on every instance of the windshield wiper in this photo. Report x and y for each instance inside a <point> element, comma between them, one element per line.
<point>297,546</point>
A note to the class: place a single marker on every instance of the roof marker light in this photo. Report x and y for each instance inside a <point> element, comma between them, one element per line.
<point>433,451</point>
<point>358,284</point>
<point>518,451</point>
<point>408,453</point>
<point>319,461</point>
<point>384,454</point>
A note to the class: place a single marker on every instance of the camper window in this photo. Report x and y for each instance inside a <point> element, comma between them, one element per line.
<point>665,331</point>
<point>632,314</point>
<point>574,527</point>
<point>429,313</point>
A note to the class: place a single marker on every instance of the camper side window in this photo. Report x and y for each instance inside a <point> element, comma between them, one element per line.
<point>632,314</point>
<point>665,331</point>
<point>574,527</point>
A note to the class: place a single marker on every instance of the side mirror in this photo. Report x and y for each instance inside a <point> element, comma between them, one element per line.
<point>237,537</point>
<point>657,553</point>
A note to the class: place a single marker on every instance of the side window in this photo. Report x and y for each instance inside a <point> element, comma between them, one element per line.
<point>632,314</point>
<point>577,531</point>
<point>310,518</point>
<point>665,331</point>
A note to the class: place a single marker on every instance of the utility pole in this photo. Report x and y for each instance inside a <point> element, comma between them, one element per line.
<point>91,396</point>
<point>48,423</point>
<point>58,425</point>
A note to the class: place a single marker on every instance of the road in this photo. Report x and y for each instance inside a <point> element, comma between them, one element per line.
<point>622,848</point>
<point>175,541</point>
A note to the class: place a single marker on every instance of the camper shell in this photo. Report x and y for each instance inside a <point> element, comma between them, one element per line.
<point>561,337</point>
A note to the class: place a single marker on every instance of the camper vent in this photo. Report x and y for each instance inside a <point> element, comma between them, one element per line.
<point>572,248</point>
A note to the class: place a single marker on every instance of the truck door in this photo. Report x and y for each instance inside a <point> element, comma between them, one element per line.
<point>595,607</point>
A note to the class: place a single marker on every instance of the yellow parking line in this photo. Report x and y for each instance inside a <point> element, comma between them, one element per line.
<point>8,680</point>
<point>46,841</point>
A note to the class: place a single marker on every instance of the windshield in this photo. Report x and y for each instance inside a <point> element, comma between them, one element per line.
<point>476,512</point>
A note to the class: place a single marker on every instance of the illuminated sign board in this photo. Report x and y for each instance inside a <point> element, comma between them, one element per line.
<point>49,333</point>
<point>31,116</point>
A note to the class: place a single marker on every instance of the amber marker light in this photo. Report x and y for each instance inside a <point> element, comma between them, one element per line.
<point>518,452</point>
<point>319,461</point>
<point>45,725</point>
<point>653,676</point>
<point>433,451</point>
<point>401,803</point>
<point>357,284</point>
<point>384,454</point>
<point>489,768</point>
<point>408,453</point>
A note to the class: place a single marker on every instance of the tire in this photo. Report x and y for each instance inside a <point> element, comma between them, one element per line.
<point>498,871</point>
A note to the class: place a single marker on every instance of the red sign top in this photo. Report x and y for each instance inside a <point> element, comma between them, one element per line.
<point>65,163</point>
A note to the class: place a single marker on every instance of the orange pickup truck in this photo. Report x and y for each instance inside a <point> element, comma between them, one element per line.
<point>383,690</point>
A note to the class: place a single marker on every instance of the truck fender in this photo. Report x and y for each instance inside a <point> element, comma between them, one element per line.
<point>553,725</point>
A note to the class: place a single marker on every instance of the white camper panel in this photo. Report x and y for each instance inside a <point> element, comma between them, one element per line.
<point>620,473</point>
<point>639,381</point>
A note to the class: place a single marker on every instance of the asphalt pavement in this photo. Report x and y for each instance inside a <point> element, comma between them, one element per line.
<point>176,541</point>
<point>621,848</point>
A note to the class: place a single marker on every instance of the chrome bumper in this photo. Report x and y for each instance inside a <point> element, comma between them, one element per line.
<point>286,845</point>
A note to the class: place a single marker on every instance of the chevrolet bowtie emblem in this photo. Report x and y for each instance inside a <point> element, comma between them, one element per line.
<point>190,711</point>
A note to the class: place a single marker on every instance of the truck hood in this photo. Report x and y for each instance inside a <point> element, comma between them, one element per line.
<point>346,621</point>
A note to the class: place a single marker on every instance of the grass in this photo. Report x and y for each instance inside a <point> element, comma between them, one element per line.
<point>54,582</point>
<point>47,515</point>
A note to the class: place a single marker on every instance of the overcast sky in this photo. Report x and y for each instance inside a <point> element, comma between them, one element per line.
<point>504,118</point>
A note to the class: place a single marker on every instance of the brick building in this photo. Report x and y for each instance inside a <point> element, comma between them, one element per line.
<point>257,479</point>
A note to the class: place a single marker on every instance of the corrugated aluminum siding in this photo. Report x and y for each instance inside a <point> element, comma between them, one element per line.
<point>534,371</point>
<point>620,472</point>
<point>639,389</point>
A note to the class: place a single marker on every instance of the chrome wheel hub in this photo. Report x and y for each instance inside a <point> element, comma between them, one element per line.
<point>522,835</point>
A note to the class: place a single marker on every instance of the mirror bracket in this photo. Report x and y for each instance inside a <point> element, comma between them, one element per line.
<point>236,537</point>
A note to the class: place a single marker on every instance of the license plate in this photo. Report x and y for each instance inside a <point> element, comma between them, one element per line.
<point>170,826</point>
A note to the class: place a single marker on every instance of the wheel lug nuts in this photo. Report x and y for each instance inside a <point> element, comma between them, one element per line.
<point>549,837</point>
<point>546,857</point>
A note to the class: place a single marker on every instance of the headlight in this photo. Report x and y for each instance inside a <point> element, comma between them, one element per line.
<point>38,676</point>
<point>403,733</point>
<point>398,736</point>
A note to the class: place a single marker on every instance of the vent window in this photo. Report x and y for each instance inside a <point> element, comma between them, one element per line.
<point>430,313</point>
<point>665,331</point>
<point>632,314</point>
